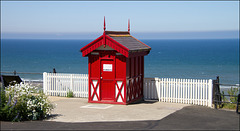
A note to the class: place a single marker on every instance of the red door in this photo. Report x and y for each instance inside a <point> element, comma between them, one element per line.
<point>107,79</point>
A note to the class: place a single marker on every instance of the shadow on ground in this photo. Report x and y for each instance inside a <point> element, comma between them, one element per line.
<point>53,116</point>
<point>144,102</point>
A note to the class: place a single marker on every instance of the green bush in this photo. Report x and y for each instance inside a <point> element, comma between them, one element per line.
<point>232,100</point>
<point>234,92</point>
<point>24,102</point>
<point>69,93</point>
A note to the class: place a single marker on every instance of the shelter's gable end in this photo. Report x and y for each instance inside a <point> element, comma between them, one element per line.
<point>104,40</point>
<point>92,46</point>
<point>117,46</point>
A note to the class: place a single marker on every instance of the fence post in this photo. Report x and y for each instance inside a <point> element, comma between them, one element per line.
<point>44,82</point>
<point>210,86</point>
<point>157,87</point>
<point>71,82</point>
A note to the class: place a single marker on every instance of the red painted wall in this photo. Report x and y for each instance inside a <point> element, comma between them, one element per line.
<point>134,75</point>
<point>119,71</point>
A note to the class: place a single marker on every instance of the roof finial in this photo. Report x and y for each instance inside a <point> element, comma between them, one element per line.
<point>129,26</point>
<point>104,25</point>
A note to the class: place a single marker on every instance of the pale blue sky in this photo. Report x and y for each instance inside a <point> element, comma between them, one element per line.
<point>61,19</point>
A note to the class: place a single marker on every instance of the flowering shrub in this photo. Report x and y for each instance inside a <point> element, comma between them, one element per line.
<point>24,102</point>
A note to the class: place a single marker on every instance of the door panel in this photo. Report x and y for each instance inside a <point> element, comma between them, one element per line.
<point>107,79</point>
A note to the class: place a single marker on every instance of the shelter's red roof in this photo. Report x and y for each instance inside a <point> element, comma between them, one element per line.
<point>121,41</point>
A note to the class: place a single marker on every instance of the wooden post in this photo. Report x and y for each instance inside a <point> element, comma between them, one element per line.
<point>71,82</point>
<point>44,82</point>
<point>216,92</point>
<point>157,87</point>
<point>210,89</point>
<point>238,101</point>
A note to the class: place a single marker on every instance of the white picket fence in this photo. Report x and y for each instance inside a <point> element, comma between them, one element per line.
<point>58,84</point>
<point>187,91</point>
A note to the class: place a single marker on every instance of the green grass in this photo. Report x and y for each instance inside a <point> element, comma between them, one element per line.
<point>69,94</point>
<point>229,106</point>
<point>233,100</point>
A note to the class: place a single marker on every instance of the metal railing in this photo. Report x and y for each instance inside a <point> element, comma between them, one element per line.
<point>15,72</point>
<point>220,98</point>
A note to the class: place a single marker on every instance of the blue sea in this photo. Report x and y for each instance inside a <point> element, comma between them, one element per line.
<point>192,58</point>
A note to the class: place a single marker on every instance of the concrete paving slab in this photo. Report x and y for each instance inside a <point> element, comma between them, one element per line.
<point>79,110</point>
<point>98,106</point>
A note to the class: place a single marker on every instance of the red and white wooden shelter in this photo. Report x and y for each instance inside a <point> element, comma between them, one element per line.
<point>115,67</point>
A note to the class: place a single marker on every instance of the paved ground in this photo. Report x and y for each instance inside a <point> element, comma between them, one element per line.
<point>79,110</point>
<point>187,118</point>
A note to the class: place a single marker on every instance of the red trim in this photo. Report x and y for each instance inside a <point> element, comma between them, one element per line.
<point>125,90</point>
<point>85,50</point>
<point>110,102</point>
<point>135,99</point>
<point>93,42</point>
<point>111,43</point>
<point>89,76</point>
<point>104,39</point>
<point>94,90</point>
<point>134,87</point>
<point>118,47</point>
<point>119,91</point>
<point>130,87</point>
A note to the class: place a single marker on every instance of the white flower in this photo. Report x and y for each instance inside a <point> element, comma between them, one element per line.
<point>23,92</point>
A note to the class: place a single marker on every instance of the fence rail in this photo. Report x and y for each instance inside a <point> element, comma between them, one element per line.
<point>187,91</point>
<point>58,84</point>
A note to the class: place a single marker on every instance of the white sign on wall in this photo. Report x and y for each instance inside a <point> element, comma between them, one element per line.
<point>107,67</point>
